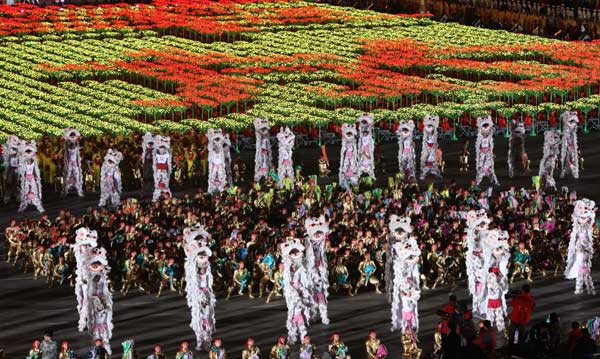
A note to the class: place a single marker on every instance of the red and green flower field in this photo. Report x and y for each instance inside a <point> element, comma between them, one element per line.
<point>175,65</point>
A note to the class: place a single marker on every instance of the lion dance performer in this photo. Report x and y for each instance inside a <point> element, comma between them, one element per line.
<point>263,156</point>
<point>316,262</point>
<point>485,150</point>
<point>406,150</point>
<point>29,177</point>
<point>549,158</point>
<point>97,301</point>
<point>581,246</point>
<point>569,151</point>
<point>516,148</point>
<point>429,151</point>
<point>296,284</point>
<point>199,281</point>
<point>217,173</point>
<point>148,164</point>
<point>285,168</point>
<point>72,173</point>
<point>406,292</point>
<point>162,166</point>
<point>496,253</point>
<point>85,241</point>
<point>227,156</point>
<point>477,225</point>
<point>349,157</point>
<point>110,179</point>
<point>10,154</point>
<point>366,146</point>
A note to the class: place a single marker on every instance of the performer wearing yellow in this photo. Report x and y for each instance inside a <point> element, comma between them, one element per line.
<point>367,269</point>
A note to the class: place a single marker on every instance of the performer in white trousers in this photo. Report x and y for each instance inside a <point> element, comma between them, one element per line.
<point>496,253</point>
<point>581,246</point>
<point>549,158</point>
<point>98,301</point>
<point>10,154</point>
<point>200,296</point>
<point>317,229</point>
<point>406,150</point>
<point>110,179</point>
<point>516,147</point>
<point>85,241</point>
<point>162,167</point>
<point>569,151</point>
<point>429,149</point>
<point>29,177</point>
<point>72,172</point>
<point>217,173</point>
<point>285,168</point>
<point>348,175</point>
<point>263,156</point>
<point>484,147</point>
<point>477,225</point>
<point>406,283</point>
<point>296,290</point>
<point>366,146</point>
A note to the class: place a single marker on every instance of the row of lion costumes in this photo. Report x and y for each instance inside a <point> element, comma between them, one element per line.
<point>264,154</point>
<point>94,299</point>
<point>22,179</point>
<point>430,160</point>
<point>563,146</point>
<point>199,284</point>
<point>357,156</point>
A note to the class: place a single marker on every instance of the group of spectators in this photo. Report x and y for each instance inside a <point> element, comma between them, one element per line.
<point>566,20</point>
<point>572,20</point>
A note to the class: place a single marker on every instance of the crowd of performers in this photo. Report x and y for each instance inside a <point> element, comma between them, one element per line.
<point>200,156</point>
<point>336,349</point>
<point>306,242</point>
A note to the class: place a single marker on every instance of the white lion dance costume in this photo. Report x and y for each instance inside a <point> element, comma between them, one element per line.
<point>10,153</point>
<point>366,146</point>
<point>296,290</point>
<point>29,177</point>
<point>429,155</point>
<point>227,156</point>
<point>85,242</point>
<point>217,172</point>
<point>406,150</point>
<point>162,166</point>
<point>549,158</point>
<point>406,283</point>
<point>316,263</point>
<point>263,156</point>
<point>581,246</point>
<point>110,179</point>
<point>97,302</point>
<point>496,253</point>
<point>285,168</point>
<point>516,146</point>
<point>477,226</point>
<point>72,173</point>
<point>569,151</point>
<point>348,157</point>
<point>199,281</point>
<point>485,150</point>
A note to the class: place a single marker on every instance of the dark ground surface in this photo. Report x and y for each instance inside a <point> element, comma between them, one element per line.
<point>27,307</point>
